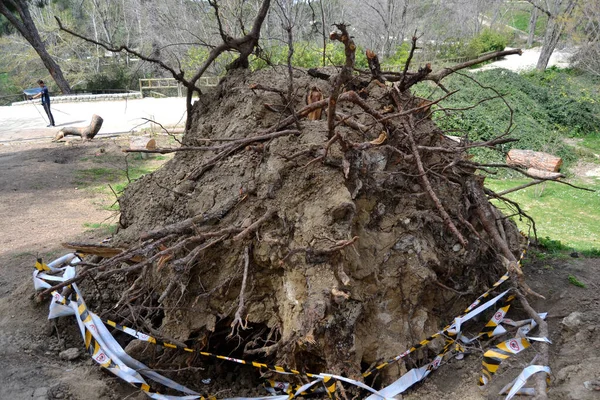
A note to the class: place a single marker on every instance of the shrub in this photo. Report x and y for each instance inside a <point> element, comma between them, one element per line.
<point>546,108</point>
<point>307,55</point>
<point>487,40</point>
<point>112,77</point>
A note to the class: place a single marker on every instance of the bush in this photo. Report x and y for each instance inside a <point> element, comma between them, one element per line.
<point>486,41</point>
<point>112,77</point>
<point>400,56</point>
<point>546,108</point>
<point>307,55</point>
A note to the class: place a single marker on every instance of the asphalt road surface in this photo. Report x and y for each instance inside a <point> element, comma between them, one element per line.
<point>28,121</point>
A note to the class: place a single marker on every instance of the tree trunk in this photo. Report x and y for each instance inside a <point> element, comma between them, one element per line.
<point>532,23</point>
<point>86,133</point>
<point>556,24</point>
<point>26,27</point>
<point>533,159</point>
<point>553,31</point>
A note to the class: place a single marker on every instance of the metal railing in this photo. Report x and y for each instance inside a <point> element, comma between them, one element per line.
<point>152,84</point>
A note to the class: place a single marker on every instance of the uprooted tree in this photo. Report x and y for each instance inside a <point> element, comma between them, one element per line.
<point>323,244</point>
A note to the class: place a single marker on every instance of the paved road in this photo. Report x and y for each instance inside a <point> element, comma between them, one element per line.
<point>528,60</point>
<point>28,122</point>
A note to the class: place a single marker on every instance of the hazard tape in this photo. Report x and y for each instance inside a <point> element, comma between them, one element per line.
<point>494,357</point>
<point>516,386</point>
<point>452,329</point>
<point>492,325</point>
<point>275,387</point>
<point>448,329</point>
<point>328,381</point>
<point>61,306</point>
<point>452,333</point>
<point>96,336</point>
<point>99,343</point>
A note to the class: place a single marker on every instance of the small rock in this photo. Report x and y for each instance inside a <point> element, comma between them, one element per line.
<point>136,348</point>
<point>41,392</point>
<point>456,247</point>
<point>70,354</point>
<point>572,320</point>
<point>59,395</point>
<point>592,385</point>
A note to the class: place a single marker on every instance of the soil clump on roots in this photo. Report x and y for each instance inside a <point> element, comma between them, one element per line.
<point>266,237</point>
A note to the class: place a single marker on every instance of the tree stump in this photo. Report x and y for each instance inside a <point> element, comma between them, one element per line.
<point>534,159</point>
<point>142,143</point>
<point>85,133</point>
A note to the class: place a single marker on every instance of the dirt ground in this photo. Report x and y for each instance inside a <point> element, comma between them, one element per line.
<point>42,206</point>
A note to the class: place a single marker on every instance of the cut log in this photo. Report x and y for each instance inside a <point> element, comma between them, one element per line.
<point>538,173</point>
<point>99,250</point>
<point>142,143</point>
<point>85,133</point>
<point>534,159</point>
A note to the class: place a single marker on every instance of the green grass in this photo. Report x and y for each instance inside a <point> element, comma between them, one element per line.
<point>576,282</point>
<point>109,229</point>
<point>518,17</point>
<point>592,143</point>
<point>114,173</point>
<point>566,218</point>
<point>97,179</point>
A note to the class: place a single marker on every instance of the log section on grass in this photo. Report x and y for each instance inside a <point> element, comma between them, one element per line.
<point>534,159</point>
<point>85,133</point>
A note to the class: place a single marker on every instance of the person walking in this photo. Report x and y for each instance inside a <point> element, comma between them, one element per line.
<point>45,101</point>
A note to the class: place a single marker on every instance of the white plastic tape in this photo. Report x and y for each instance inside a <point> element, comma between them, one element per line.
<point>517,385</point>
<point>458,321</point>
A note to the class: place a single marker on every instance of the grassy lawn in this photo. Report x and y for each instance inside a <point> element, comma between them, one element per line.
<point>109,175</point>
<point>561,213</point>
<point>592,143</point>
<point>115,172</point>
<point>517,16</point>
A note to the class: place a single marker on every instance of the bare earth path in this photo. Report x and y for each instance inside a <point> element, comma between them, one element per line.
<point>41,206</point>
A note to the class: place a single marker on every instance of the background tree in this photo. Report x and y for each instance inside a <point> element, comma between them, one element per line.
<point>17,13</point>
<point>558,12</point>
<point>586,36</point>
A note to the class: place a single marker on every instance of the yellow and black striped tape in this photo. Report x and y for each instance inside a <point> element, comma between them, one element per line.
<point>95,350</point>
<point>489,328</point>
<point>494,357</point>
<point>444,331</point>
<point>41,266</point>
<point>328,383</point>
<point>490,359</point>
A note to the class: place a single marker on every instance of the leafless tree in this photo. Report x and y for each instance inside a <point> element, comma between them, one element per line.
<point>587,38</point>
<point>17,13</point>
<point>558,12</point>
<point>532,23</point>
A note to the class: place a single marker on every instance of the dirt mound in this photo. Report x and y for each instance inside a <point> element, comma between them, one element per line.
<point>317,256</point>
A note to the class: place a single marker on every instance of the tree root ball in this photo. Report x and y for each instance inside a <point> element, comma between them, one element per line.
<point>350,260</point>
